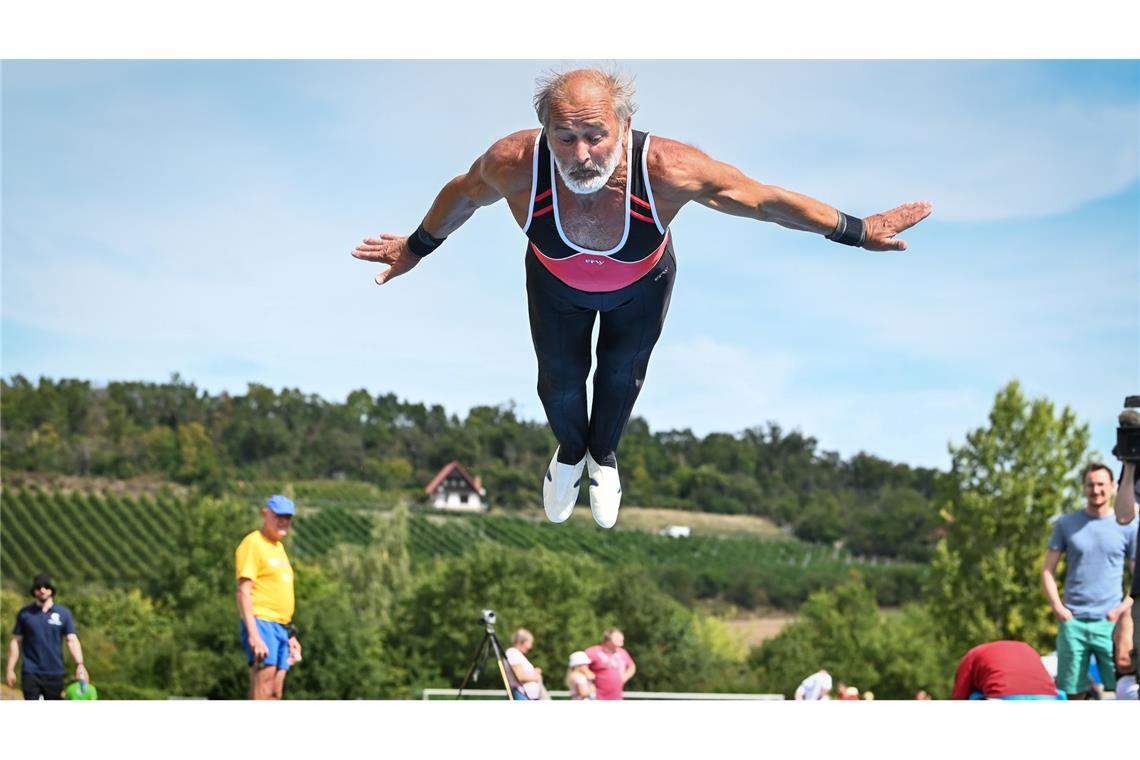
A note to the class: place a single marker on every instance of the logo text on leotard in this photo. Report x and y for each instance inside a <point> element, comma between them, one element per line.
<point>599,262</point>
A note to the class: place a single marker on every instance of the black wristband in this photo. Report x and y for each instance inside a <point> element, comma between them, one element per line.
<point>420,243</point>
<point>849,231</point>
<point>292,630</point>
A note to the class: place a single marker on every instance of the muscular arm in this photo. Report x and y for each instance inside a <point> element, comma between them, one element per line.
<point>1049,583</point>
<point>503,170</point>
<point>1125,504</point>
<point>680,173</point>
<point>491,177</point>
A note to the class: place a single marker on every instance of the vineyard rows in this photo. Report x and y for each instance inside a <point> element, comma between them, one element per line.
<point>84,537</point>
<point>120,540</point>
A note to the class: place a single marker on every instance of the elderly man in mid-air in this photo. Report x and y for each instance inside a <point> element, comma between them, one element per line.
<point>595,198</point>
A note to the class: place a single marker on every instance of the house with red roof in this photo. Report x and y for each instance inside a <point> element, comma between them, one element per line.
<point>454,489</point>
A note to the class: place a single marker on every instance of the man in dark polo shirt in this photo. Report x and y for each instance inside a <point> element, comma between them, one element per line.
<point>40,630</point>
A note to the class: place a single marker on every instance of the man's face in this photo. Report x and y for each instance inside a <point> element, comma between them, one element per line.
<point>1098,488</point>
<point>586,140</point>
<point>617,639</point>
<point>42,594</point>
<point>275,526</point>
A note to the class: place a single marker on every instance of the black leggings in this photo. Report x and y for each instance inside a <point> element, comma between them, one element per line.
<point>561,322</point>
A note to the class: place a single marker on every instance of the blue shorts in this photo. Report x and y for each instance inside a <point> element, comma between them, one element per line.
<point>276,638</point>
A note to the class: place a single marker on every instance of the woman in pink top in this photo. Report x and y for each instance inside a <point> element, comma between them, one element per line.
<point>611,664</point>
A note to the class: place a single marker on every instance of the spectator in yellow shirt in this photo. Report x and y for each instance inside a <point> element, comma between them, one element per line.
<point>265,601</point>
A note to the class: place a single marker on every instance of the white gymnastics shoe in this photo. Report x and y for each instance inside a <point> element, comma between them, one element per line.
<point>605,492</point>
<point>560,488</point>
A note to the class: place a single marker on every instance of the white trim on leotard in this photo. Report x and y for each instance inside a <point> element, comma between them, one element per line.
<point>533,183</point>
<point>648,189</point>
<point>558,221</point>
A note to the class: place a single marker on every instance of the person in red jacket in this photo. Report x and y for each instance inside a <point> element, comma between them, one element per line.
<point>1003,670</point>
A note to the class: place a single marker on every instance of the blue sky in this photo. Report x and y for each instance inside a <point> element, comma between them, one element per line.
<point>197,217</point>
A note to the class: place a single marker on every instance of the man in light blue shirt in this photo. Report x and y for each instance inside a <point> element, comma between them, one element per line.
<point>1096,548</point>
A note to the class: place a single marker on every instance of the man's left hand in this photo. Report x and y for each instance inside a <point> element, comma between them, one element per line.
<point>880,229</point>
<point>294,650</point>
<point>81,674</point>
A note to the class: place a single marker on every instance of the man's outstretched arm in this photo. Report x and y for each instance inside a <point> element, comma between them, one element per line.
<point>681,173</point>
<point>493,175</point>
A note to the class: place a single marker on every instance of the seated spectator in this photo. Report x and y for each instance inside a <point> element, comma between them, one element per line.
<point>1003,670</point>
<point>579,678</point>
<point>815,687</point>
<point>528,676</point>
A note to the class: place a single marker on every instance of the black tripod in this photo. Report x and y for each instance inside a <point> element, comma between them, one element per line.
<point>490,645</point>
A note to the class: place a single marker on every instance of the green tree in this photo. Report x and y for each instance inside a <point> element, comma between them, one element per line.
<point>843,630</point>
<point>344,611</point>
<point>128,643</point>
<point>553,595</point>
<point>897,522</point>
<point>821,520</point>
<point>197,458</point>
<point>567,602</point>
<point>1007,481</point>
<point>674,648</point>
<point>197,587</point>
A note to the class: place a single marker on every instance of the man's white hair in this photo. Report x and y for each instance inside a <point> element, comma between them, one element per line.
<point>551,87</point>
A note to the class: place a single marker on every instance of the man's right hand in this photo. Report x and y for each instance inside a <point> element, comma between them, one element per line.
<point>11,679</point>
<point>1064,614</point>
<point>260,651</point>
<point>387,249</point>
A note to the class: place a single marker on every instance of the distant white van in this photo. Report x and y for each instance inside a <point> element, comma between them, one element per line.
<point>675,531</point>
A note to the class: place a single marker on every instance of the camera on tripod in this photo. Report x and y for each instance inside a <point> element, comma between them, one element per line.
<point>490,648</point>
<point>1128,434</point>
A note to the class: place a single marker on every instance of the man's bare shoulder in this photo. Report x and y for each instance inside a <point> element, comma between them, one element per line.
<point>515,148</point>
<point>509,160</point>
<point>676,168</point>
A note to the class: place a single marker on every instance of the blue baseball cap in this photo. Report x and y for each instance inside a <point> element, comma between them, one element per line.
<point>280,505</point>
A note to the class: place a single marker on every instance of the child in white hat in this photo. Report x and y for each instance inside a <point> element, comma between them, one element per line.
<point>579,678</point>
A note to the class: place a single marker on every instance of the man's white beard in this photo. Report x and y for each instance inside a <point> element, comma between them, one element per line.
<point>591,178</point>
